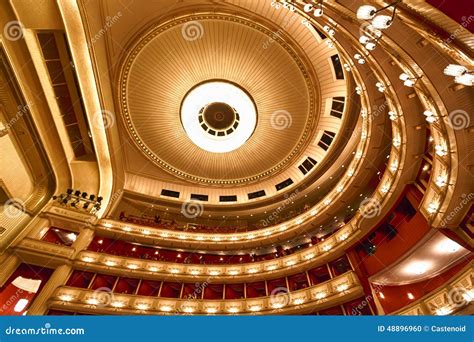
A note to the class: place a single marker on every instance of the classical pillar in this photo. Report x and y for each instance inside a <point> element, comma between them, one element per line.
<point>10,263</point>
<point>58,278</point>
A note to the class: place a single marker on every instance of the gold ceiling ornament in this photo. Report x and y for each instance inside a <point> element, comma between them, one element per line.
<point>173,57</point>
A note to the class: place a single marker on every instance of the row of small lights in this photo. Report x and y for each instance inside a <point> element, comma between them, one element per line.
<point>141,306</point>
<point>216,270</point>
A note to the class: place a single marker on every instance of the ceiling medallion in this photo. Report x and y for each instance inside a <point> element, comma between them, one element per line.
<point>215,115</point>
<point>218,116</point>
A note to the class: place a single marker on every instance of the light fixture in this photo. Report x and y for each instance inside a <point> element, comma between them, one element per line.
<point>20,305</point>
<point>441,181</point>
<point>392,115</point>
<point>218,116</point>
<point>380,86</point>
<point>433,207</point>
<point>359,58</point>
<point>410,296</point>
<point>443,311</point>
<point>419,267</point>
<point>448,246</point>
<point>441,150</point>
<point>367,12</point>
<point>430,116</point>
<point>409,81</point>
<point>460,73</point>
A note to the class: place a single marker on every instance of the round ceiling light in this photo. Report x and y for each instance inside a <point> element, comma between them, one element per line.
<point>218,116</point>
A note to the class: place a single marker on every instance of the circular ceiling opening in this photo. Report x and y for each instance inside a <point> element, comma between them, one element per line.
<point>218,116</point>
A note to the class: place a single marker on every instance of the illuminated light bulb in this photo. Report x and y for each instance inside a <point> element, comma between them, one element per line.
<point>321,295</point>
<point>409,83</point>
<point>326,28</point>
<point>127,229</point>
<point>92,301</point>
<point>417,268</point>
<point>252,270</point>
<point>343,237</point>
<point>299,221</point>
<point>410,296</point>
<point>433,208</point>
<point>340,188</point>
<point>188,309</point>
<point>366,12</point>
<point>309,256</point>
<point>466,79</point>
<point>441,150</point>
<point>404,76</point>
<point>370,46</point>
<point>108,225</point>
<point>153,269</point>
<point>132,266</point>
<point>397,142</point>
<point>332,32</point>
<point>110,263</point>
<point>441,181</point>
<point>118,304</point>
<point>357,56</point>
<point>142,306</point>
<point>314,212</point>
<point>71,236</point>
<point>385,188</point>
<point>308,8</point>
<point>364,40</point>
<point>327,201</point>
<point>330,44</point>
<point>455,70</point>
<point>298,301</point>
<point>361,61</point>
<point>358,90</point>
<point>342,287</point>
<point>382,22</point>
<point>211,310</point>
<point>271,267</point>
<point>350,173</point>
<point>146,232</point>
<point>214,272</point>
<point>290,262</point>
<point>448,246</point>
<point>381,295</point>
<point>195,272</point>
<point>20,305</point>
<point>174,270</point>
<point>327,248</point>
<point>166,308</point>
<point>392,115</point>
<point>394,166</point>
<point>66,297</point>
<point>278,305</point>
<point>233,310</point>
<point>87,259</point>
<point>255,308</point>
<point>318,12</point>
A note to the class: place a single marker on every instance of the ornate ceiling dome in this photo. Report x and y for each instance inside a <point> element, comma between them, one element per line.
<point>193,140</point>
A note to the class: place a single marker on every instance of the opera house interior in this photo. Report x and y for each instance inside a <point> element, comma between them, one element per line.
<point>236,157</point>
